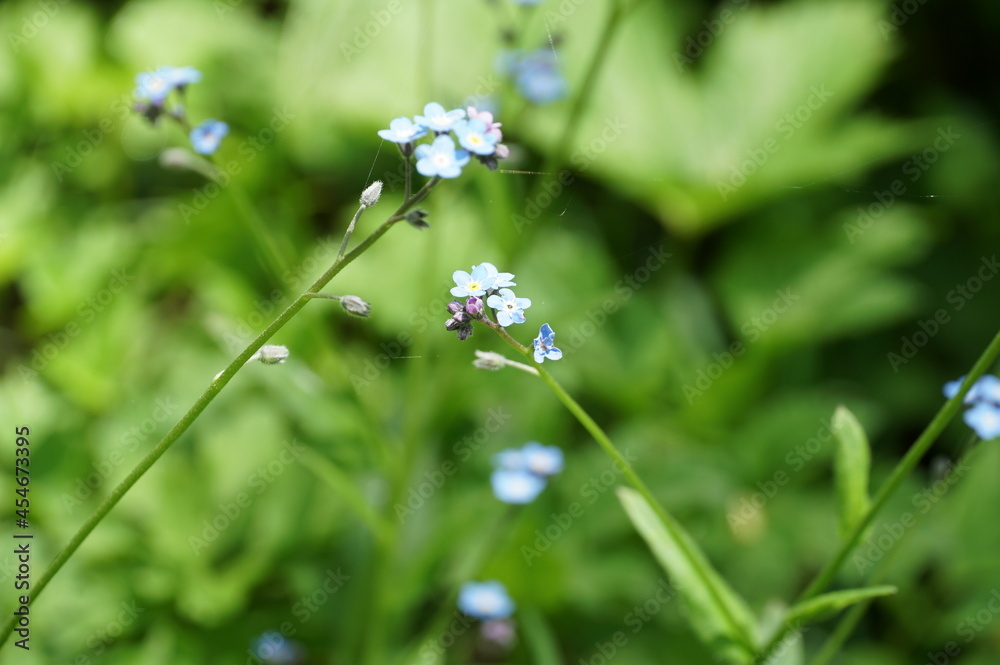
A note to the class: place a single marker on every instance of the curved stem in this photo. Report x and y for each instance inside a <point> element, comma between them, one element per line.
<point>206,398</point>
<point>903,469</point>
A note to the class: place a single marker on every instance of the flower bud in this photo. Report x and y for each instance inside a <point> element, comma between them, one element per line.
<point>489,360</point>
<point>271,354</point>
<point>474,307</point>
<point>464,333</point>
<point>416,219</point>
<point>454,307</point>
<point>370,196</point>
<point>355,305</point>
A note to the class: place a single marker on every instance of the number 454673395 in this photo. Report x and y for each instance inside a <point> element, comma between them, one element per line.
<point>22,461</point>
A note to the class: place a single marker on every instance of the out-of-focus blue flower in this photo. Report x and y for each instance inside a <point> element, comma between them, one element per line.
<point>487,118</point>
<point>514,486</point>
<point>545,345</point>
<point>437,119</point>
<point>501,280</point>
<point>510,308</point>
<point>542,460</point>
<point>511,459</point>
<point>207,136</point>
<point>182,76</point>
<point>538,77</point>
<point>402,130</point>
<point>441,159</point>
<point>154,86</point>
<point>984,419</point>
<point>951,388</point>
<point>485,600</point>
<point>986,388</point>
<point>473,136</point>
<point>475,283</point>
<point>273,648</point>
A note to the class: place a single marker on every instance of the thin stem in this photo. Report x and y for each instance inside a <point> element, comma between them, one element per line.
<point>903,469</point>
<point>350,230</point>
<point>206,398</point>
<point>407,177</point>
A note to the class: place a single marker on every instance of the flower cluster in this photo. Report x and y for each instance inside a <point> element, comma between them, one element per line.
<point>984,398</point>
<point>152,90</point>
<point>484,281</point>
<point>475,131</point>
<point>521,473</point>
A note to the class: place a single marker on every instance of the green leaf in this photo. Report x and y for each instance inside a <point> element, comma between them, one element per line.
<point>825,605</point>
<point>719,616</point>
<point>852,461</point>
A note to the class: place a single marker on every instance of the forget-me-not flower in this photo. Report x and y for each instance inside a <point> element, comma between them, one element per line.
<point>154,86</point>
<point>182,76</point>
<point>545,345</point>
<point>437,119</point>
<point>402,130</point>
<point>485,600</point>
<point>441,159</point>
<point>516,486</point>
<point>501,280</point>
<point>538,78</point>
<point>510,308</point>
<point>475,283</point>
<point>487,118</point>
<point>473,136</point>
<point>207,136</point>
<point>542,460</point>
<point>984,419</point>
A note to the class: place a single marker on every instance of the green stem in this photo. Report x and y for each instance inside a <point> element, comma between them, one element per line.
<point>633,478</point>
<point>206,398</point>
<point>350,229</point>
<point>903,469</point>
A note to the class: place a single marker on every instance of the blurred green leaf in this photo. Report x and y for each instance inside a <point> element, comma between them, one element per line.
<point>851,463</point>
<point>828,604</point>
<point>719,616</point>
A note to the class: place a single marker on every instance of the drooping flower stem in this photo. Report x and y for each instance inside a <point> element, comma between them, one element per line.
<point>206,398</point>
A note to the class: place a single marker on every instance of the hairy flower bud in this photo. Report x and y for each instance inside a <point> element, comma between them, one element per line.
<point>370,196</point>
<point>271,354</point>
<point>355,305</point>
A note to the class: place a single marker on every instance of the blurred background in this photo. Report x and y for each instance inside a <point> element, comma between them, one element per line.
<point>735,215</point>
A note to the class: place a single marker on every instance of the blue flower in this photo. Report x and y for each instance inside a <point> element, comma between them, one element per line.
<point>273,649</point>
<point>545,345</point>
<point>511,459</point>
<point>984,419</point>
<point>515,486</point>
<point>485,600</point>
<point>182,76</point>
<point>437,119</point>
<point>402,130</point>
<point>542,460</point>
<point>538,77</point>
<point>986,388</point>
<point>474,284</point>
<point>510,308</point>
<point>207,136</point>
<point>441,159</point>
<point>154,86</point>
<point>501,280</point>
<point>473,136</point>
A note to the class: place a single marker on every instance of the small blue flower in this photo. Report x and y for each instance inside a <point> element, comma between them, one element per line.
<point>510,308</point>
<point>501,280</point>
<point>207,136</point>
<point>515,486</point>
<point>984,419</point>
<point>473,136</point>
<point>545,345</point>
<point>542,460</point>
<point>182,76</point>
<point>474,284</point>
<point>485,600</point>
<point>538,77</point>
<point>402,131</point>
<point>273,648</point>
<point>154,86</point>
<point>986,388</point>
<point>511,459</point>
<point>437,119</point>
<point>441,159</point>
